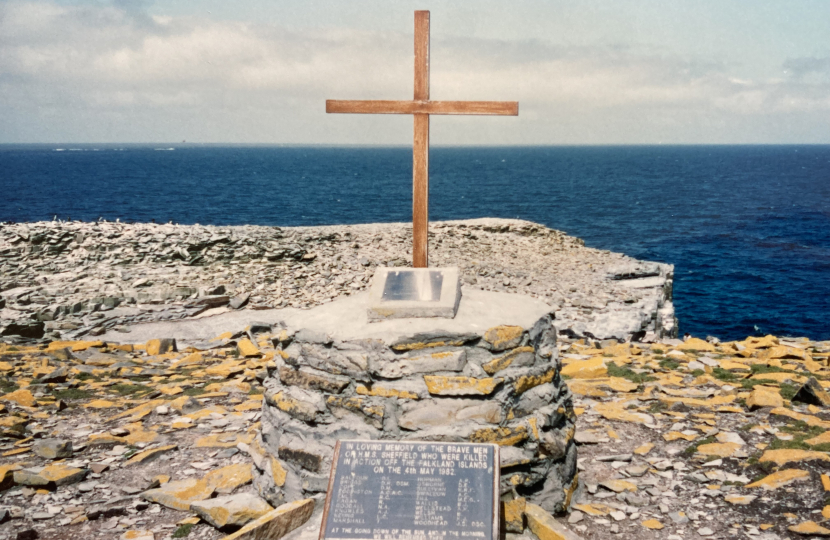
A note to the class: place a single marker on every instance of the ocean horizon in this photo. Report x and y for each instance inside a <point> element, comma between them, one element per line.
<point>747,227</point>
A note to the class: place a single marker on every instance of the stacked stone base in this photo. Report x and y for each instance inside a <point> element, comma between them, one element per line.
<point>502,386</point>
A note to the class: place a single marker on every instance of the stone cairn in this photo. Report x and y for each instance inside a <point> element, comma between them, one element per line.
<point>502,386</point>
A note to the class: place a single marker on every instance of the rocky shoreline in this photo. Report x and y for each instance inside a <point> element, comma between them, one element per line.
<point>72,280</point>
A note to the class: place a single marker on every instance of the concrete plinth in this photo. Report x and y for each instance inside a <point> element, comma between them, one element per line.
<point>403,293</point>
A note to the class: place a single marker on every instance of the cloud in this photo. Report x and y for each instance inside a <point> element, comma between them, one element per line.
<point>114,72</point>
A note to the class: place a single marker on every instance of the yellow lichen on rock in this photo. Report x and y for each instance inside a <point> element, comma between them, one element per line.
<point>194,359</point>
<point>503,362</point>
<point>276,523</point>
<point>247,349</point>
<point>544,526</point>
<point>618,485</point>
<point>526,382</point>
<point>386,392</point>
<point>784,456</point>
<point>718,449</point>
<point>303,410</point>
<point>593,509</point>
<point>152,453</point>
<point>503,337</point>
<point>586,369</point>
<point>223,440</point>
<point>100,404</point>
<point>22,397</point>
<point>278,472</point>
<point>514,512</point>
<point>695,344</point>
<point>440,385</point>
<point>503,436</point>
<point>780,479</point>
<point>762,396</point>
<point>806,418</point>
<point>809,528</point>
<point>643,449</point>
<point>617,411</point>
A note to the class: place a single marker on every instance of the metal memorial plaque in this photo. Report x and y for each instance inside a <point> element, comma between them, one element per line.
<point>393,490</point>
<point>410,285</point>
<point>400,293</point>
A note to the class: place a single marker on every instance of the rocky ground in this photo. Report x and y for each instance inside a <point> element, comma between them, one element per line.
<point>677,439</point>
<point>73,280</point>
<point>702,439</point>
<point>101,440</point>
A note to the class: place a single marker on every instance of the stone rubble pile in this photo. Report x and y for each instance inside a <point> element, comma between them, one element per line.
<point>73,280</point>
<point>502,387</point>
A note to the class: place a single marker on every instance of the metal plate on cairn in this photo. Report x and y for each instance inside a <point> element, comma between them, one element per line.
<point>422,490</point>
<point>414,292</point>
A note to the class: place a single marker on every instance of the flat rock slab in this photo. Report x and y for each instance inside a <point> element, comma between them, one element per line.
<point>346,319</point>
<point>286,522</point>
<point>231,511</point>
<point>50,476</point>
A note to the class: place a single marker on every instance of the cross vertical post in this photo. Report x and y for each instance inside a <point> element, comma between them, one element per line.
<point>420,148</point>
<point>420,108</point>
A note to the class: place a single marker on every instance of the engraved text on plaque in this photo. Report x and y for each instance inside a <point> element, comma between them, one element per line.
<point>412,491</point>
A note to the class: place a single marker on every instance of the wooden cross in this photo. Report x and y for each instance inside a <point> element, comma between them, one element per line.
<point>421,107</point>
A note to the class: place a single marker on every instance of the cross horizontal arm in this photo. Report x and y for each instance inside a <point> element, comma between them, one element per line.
<point>498,108</point>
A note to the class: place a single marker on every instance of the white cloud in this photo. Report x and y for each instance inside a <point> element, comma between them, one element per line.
<point>106,73</point>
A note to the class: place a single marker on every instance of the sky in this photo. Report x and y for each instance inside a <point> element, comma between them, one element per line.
<point>584,72</point>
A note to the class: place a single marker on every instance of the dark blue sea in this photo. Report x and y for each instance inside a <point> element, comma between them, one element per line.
<point>747,227</point>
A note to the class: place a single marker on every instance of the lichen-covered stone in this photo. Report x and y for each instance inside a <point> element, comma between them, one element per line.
<point>312,379</point>
<point>427,363</point>
<point>439,385</point>
<point>349,363</point>
<point>586,369</point>
<point>247,349</point>
<point>160,346</point>
<point>544,526</point>
<point>500,338</point>
<point>518,357</point>
<point>276,523</point>
<point>7,475</point>
<point>50,477</point>
<point>780,479</point>
<point>151,454</point>
<point>296,402</point>
<point>503,436</point>
<point>514,515</point>
<point>543,375</point>
<point>232,511</point>
<point>784,456</point>
<point>809,528</point>
<point>53,448</point>
<point>764,397</point>
<point>22,397</point>
<point>180,494</point>
<point>447,412</point>
<point>410,390</point>
<point>432,340</point>
<point>371,410</point>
